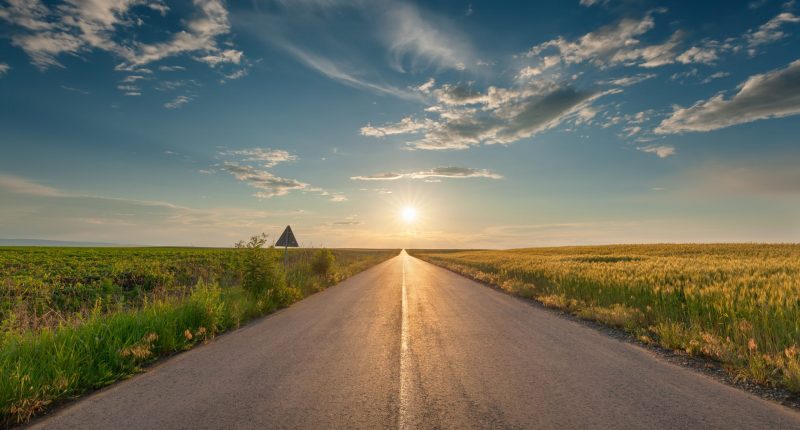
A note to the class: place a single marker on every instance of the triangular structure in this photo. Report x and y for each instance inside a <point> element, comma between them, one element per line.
<point>287,239</point>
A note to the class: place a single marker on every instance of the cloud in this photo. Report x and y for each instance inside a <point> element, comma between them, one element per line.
<point>716,75</point>
<point>405,126</point>
<point>416,43</point>
<point>171,68</point>
<point>74,27</point>
<point>268,157</point>
<point>462,117</point>
<point>227,56</point>
<point>200,35</point>
<point>663,151</point>
<point>74,90</point>
<point>44,47</point>
<point>18,185</point>
<point>348,222</point>
<point>773,94</point>
<point>412,38</point>
<point>771,30</point>
<point>438,172</point>
<point>238,74</point>
<point>268,184</point>
<point>338,72</point>
<point>612,44</point>
<point>177,102</point>
<point>626,81</point>
<point>4,68</point>
<point>696,54</point>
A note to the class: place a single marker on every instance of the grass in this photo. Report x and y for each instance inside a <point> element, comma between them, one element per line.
<point>738,304</point>
<point>74,320</point>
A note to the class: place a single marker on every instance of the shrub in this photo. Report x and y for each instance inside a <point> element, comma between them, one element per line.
<point>262,274</point>
<point>322,262</point>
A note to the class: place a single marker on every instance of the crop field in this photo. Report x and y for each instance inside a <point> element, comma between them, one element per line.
<point>738,304</point>
<point>75,319</point>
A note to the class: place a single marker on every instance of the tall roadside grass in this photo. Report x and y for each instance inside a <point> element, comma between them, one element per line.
<point>738,304</point>
<point>70,351</point>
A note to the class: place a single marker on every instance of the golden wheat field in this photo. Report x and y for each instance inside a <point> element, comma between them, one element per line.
<point>735,303</point>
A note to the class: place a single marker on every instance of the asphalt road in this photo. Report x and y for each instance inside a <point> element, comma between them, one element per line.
<point>407,344</point>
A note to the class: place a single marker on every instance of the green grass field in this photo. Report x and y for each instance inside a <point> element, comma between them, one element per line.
<point>737,304</point>
<point>76,319</point>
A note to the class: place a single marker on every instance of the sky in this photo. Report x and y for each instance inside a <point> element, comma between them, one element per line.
<point>503,124</point>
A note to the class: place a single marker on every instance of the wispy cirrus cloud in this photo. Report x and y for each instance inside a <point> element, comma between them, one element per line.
<point>435,173</point>
<point>19,185</point>
<point>417,42</point>
<point>414,40</point>
<point>773,94</point>
<point>626,81</point>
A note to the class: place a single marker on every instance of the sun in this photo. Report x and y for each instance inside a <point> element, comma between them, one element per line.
<point>409,214</point>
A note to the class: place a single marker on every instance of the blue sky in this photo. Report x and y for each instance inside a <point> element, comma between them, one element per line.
<point>505,124</point>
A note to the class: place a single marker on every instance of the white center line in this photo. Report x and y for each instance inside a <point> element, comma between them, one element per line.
<point>405,385</point>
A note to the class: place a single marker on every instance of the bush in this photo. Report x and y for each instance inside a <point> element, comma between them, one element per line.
<point>262,274</point>
<point>322,262</point>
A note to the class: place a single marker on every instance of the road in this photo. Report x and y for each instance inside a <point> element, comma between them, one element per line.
<point>409,345</point>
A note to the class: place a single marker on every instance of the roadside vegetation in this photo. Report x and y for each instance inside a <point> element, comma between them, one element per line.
<point>738,304</point>
<point>76,319</point>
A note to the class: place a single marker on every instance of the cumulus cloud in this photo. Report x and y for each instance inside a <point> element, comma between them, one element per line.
<point>715,75</point>
<point>698,55</point>
<point>610,45</point>
<point>177,102</point>
<point>773,94</point>
<point>405,126</point>
<point>73,27</point>
<point>463,116</point>
<point>267,156</point>
<point>435,173</point>
<point>771,30</point>
<point>621,44</point>
<point>268,184</point>
<point>4,68</point>
<point>226,56</point>
<point>663,151</point>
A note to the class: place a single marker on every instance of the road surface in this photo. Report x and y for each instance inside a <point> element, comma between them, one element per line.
<point>409,345</point>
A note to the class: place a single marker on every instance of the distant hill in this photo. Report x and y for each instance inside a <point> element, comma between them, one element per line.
<point>39,242</point>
